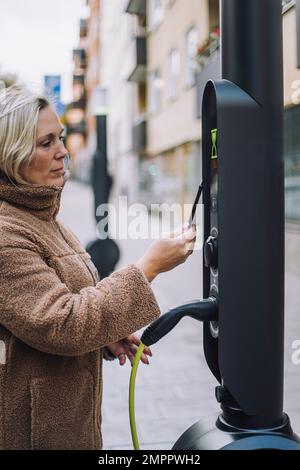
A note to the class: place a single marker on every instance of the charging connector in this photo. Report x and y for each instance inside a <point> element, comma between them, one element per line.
<point>201,310</point>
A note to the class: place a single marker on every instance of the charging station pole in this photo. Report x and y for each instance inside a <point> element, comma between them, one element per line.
<point>103,250</point>
<point>244,194</point>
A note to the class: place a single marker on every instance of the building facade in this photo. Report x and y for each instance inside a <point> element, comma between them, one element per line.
<point>118,31</point>
<point>171,170</point>
<point>291,44</point>
<point>143,52</point>
<point>92,73</point>
<point>75,111</point>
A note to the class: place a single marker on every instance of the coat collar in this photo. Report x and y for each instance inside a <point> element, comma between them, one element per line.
<point>43,201</point>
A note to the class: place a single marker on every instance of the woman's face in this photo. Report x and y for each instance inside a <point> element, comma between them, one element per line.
<point>47,164</point>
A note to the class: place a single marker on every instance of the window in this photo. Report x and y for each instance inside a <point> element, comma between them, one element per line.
<point>191,43</point>
<point>174,68</point>
<point>156,13</point>
<point>292,163</point>
<point>155,85</point>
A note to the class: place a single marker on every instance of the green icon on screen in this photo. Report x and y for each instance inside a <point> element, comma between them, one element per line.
<point>214,150</point>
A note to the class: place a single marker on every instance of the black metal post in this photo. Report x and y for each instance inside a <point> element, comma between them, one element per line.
<point>101,130</point>
<point>101,180</point>
<point>104,251</point>
<point>252,59</point>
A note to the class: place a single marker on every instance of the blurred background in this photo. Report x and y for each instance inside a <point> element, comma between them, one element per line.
<point>143,65</point>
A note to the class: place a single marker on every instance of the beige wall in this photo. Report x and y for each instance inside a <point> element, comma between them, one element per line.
<point>176,122</point>
<point>291,73</point>
<point>291,98</point>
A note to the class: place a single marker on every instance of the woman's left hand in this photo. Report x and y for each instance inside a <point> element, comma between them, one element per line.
<point>127,347</point>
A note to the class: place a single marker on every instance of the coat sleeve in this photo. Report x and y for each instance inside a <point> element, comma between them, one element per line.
<point>42,312</point>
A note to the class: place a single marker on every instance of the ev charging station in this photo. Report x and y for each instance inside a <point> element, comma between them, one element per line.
<point>244,215</point>
<point>243,196</point>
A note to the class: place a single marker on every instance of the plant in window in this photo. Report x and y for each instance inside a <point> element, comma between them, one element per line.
<point>208,47</point>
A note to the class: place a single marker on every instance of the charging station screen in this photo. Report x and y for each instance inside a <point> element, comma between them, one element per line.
<point>213,170</point>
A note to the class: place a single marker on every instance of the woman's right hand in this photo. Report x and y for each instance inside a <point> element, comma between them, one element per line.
<point>168,252</point>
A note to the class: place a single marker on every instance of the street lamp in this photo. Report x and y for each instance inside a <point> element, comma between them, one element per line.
<point>101,180</point>
<point>104,251</point>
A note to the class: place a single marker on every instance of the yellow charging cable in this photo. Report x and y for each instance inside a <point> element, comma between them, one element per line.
<point>134,435</point>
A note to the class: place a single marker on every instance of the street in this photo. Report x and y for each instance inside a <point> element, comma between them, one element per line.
<point>177,388</point>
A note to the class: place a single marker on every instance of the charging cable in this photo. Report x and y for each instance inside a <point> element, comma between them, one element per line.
<point>201,310</point>
<point>134,435</point>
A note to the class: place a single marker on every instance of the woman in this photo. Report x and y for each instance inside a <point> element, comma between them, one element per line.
<point>56,319</point>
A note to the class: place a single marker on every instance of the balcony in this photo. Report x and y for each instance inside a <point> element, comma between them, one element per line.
<point>76,128</point>
<point>83,28</point>
<point>79,79</point>
<point>79,102</point>
<point>79,58</point>
<point>139,67</point>
<point>139,137</point>
<point>210,71</point>
<point>79,91</point>
<point>137,7</point>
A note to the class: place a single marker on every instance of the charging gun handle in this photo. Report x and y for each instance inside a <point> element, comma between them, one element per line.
<point>201,310</point>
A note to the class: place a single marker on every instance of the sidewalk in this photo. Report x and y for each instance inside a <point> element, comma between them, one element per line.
<point>177,389</point>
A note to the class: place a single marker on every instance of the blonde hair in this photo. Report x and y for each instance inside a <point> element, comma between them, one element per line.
<point>19,110</point>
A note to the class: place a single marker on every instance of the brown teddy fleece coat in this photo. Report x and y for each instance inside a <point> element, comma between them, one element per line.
<point>55,319</point>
